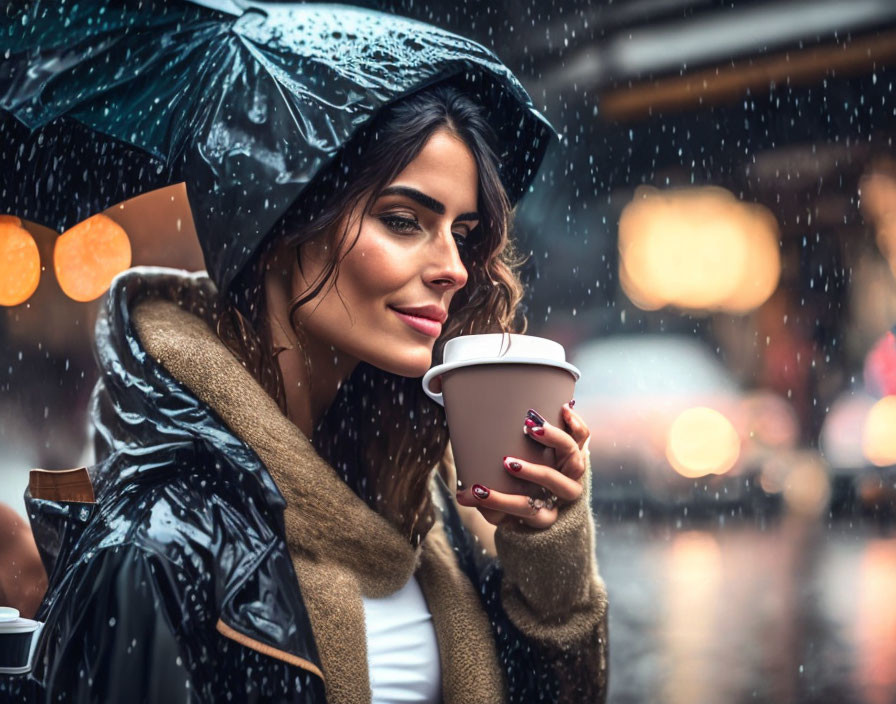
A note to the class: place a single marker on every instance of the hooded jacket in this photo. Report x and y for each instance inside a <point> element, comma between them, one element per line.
<point>212,554</point>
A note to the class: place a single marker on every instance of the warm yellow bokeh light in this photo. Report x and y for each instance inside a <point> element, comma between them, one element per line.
<point>878,192</point>
<point>702,441</point>
<point>690,611</point>
<point>879,434</point>
<point>19,262</point>
<point>88,256</point>
<point>698,249</point>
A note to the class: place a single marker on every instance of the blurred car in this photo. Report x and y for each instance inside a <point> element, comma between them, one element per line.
<point>671,425</point>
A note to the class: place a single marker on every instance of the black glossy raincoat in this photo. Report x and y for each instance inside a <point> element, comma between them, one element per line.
<point>170,575</point>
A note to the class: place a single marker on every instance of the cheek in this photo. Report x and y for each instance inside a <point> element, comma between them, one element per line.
<point>375,267</point>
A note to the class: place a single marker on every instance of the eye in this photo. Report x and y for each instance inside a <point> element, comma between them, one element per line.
<point>400,224</point>
<point>468,239</point>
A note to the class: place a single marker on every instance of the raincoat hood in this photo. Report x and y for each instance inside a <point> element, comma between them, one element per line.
<point>137,395</point>
<point>247,109</point>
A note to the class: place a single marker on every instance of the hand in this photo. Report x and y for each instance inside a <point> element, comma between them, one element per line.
<point>564,481</point>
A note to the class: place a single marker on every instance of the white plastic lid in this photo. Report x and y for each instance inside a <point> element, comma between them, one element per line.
<point>497,348</point>
<point>507,347</point>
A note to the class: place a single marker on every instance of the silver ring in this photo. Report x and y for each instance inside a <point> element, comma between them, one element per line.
<point>537,504</point>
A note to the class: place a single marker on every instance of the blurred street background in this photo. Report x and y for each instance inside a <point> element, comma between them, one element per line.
<point>715,245</point>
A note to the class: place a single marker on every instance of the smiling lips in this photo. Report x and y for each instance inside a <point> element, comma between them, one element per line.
<point>427,321</point>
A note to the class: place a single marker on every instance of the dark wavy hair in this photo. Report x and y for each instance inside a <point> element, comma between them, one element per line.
<point>382,433</point>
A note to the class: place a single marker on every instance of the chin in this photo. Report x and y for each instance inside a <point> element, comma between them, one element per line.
<point>413,365</point>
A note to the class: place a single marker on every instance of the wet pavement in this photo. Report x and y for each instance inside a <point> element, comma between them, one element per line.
<point>790,611</point>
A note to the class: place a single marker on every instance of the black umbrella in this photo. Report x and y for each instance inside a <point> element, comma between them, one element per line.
<point>102,101</point>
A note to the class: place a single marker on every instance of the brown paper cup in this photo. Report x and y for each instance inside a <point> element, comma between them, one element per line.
<point>486,405</point>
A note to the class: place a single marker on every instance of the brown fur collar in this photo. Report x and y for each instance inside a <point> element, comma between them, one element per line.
<point>341,548</point>
<point>332,520</point>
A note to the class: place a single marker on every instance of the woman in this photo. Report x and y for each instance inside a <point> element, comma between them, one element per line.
<point>272,519</point>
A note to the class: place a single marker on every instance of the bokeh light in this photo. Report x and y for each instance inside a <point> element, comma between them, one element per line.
<point>875,624</point>
<point>698,249</point>
<point>89,255</point>
<point>878,192</point>
<point>702,441</point>
<point>879,435</point>
<point>19,262</point>
<point>692,605</point>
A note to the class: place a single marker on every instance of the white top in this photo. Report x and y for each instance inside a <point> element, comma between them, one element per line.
<point>402,652</point>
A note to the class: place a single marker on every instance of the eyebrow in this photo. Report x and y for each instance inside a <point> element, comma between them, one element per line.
<point>424,200</point>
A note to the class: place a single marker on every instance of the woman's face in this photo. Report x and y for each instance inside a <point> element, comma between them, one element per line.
<point>406,257</point>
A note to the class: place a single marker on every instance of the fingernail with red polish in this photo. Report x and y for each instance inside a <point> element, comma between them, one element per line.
<point>535,416</point>
<point>538,430</point>
<point>479,491</point>
<point>512,466</point>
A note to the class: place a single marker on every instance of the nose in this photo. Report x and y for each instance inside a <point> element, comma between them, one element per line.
<point>446,269</point>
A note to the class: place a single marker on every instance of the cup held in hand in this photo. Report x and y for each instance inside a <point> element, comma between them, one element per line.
<point>488,383</point>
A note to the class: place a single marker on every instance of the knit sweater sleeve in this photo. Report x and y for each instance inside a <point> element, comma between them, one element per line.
<point>547,603</point>
<point>552,593</point>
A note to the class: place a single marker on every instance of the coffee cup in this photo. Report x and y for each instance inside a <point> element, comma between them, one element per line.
<point>488,384</point>
<point>18,636</point>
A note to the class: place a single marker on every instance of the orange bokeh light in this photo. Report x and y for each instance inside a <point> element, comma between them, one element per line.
<point>879,433</point>
<point>19,262</point>
<point>697,249</point>
<point>878,192</point>
<point>89,255</point>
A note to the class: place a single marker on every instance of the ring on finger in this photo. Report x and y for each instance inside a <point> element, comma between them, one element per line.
<point>547,502</point>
